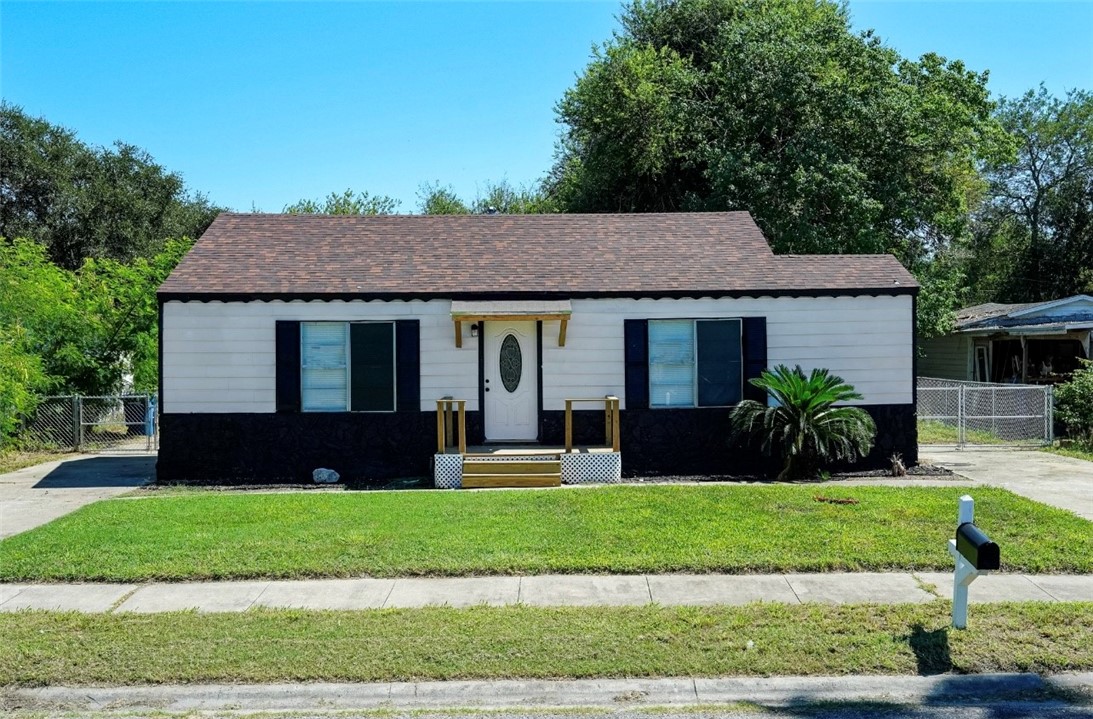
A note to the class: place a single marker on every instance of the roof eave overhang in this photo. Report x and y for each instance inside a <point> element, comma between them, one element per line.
<point>227,296</point>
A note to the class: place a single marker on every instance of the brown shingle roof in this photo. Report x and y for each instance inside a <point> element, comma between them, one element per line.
<point>475,255</point>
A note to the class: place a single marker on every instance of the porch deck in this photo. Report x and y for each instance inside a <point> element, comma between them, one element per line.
<point>526,449</point>
<point>523,464</point>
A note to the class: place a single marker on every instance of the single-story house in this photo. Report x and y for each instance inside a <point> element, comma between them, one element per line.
<point>292,342</point>
<point>1033,342</point>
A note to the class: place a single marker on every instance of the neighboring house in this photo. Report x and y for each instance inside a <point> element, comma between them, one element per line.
<point>1034,342</point>
<point>296,342</point>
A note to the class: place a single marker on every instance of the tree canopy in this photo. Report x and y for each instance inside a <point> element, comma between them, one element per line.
<point>345,203</point>
<point>832,140</point>
<point>80,201</point>
<point>1033,235</point>
<point>501,196</point>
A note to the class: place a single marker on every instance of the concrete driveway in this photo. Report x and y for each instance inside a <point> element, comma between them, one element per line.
<point>1062,482</point>
<point>33,496</point>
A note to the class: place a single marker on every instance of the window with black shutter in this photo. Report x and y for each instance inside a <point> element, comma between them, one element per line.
<point>348,366</point>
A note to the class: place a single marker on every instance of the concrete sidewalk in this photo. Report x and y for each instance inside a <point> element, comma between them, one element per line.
<point>544,590</point>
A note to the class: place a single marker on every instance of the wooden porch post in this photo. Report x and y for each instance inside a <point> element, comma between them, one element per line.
<point>462,426</point>
<point>568,425</point>
<point>615,432</point>
<point>1024,360</point>
<point>440,426</point>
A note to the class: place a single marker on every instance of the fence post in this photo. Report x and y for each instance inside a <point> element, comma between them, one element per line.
<point>1049,414</point>
<point>961,418</point>
<point>77,422</point>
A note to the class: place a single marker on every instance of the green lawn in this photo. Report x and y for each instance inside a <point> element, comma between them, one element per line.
<point>1075,451</point>
<point>930,432</point>
<point>505,642</point>
<point>11,460</point>
<point>620,529</point>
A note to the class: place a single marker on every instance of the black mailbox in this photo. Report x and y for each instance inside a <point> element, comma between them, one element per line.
<point>976,547</point>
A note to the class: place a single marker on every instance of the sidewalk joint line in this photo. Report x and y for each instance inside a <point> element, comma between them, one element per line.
<point>1031,581</point>
<point>649,588</point>
<point>121,600</point>
<point>258,596</point>
<point>383,604</point>
<point>785,577</point>
<point>13,596</point>
<point>925,586</point>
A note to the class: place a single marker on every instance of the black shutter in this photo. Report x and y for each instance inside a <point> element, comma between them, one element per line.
<point>408,365</point>
<point>718,357</point>
<point>637,363</point>
<point>755,356</point>
<point>288,366</point>
<point>372,354</point>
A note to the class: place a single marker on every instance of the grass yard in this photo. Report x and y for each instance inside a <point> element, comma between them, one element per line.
<point>508,642</point>
<point>619,529</point>
<point>11,460</point>
<point>930,432</point>
<point>1072,450</point>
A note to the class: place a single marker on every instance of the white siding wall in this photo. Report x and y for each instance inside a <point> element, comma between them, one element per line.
<point>865,340</point>
<point>219,357</point>
<point>948,357</point>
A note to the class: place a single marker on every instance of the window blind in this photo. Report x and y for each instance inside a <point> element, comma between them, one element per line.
<point>324,374</point>
<point>671,363</point>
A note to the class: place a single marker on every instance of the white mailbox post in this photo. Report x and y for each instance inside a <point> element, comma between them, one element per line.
<point>974,553</point>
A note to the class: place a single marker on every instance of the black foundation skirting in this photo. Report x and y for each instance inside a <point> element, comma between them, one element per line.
<point>371,448</point>
<point>280,448</point>
<point>700,441</point>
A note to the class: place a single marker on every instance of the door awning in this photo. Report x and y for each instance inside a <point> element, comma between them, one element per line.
<point>512,310</point>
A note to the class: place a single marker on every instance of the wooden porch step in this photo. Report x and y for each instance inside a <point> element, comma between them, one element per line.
<point>514,466</point>
<point>484,481</point>
<point>515,470</point>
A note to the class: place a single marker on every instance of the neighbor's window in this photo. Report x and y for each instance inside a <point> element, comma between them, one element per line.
<point>347,366</point>
<point>695,363</point>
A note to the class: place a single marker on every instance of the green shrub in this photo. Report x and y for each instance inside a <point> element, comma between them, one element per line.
<point>1074,404</point>
<point>804,425</point>
<point>21,377</point>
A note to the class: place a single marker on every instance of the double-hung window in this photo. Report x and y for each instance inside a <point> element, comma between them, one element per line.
<point>347,366</point>
<point>695,363</point>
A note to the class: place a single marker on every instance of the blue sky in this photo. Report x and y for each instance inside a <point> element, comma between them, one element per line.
<point>263,103</point>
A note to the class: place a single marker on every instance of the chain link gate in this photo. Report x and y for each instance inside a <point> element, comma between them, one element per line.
<point>982,413</point>
<point>105,424</point>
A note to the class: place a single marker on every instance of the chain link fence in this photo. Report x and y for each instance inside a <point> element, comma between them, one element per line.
<point>981,413</point>
<point>107,424</point>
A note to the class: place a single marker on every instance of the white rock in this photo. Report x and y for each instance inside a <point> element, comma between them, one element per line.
<point>325,476</point>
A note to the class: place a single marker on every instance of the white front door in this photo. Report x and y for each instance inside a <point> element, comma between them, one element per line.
<point>511,376</point>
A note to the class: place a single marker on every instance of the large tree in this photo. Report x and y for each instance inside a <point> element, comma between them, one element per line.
<point>82,202</point>
<point>1033,236</point>
<point>831,139</point>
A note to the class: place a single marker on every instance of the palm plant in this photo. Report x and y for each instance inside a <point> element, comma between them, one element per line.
<point>804,425</point>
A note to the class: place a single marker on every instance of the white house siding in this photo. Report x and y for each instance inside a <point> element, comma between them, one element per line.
<point>865,340</point>
<point>948,357</point>
<point>219,357</point>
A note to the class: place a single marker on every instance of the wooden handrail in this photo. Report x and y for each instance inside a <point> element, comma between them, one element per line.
<point>611,421</point>
<point>444,424</point>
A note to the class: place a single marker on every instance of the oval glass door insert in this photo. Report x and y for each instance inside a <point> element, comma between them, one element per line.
<point>512,362</point>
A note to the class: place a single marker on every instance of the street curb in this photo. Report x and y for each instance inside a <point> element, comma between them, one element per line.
<point>766,691</point>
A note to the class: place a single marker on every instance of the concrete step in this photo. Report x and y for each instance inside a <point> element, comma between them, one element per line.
<point>483,481</point>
